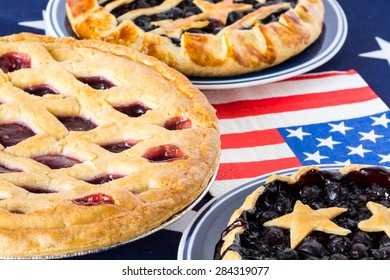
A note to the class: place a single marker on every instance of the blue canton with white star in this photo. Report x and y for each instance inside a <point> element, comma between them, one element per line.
<point>364,140</point>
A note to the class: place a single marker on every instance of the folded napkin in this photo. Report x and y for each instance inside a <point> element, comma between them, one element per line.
<point>323,118</point>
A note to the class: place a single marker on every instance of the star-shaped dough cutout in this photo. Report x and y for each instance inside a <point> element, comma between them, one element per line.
<point>379,221</point>
<point>221,10</point>
<point>303,220</point>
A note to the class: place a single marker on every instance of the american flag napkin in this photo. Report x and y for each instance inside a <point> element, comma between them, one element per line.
<point>323,118</point>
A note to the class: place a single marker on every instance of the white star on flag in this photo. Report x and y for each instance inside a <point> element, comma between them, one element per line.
<point>370,136</point>
<point>339,128</point>
<point>382,120</point>
<point>315,157</point>
<point>359,150</point>
<point>383,53</point>
<point>297,133</point>
<point>348,161</point>
<point>328,142</point>
<point>385,158</point>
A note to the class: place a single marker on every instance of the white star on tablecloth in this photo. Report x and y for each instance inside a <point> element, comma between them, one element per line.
<point>339,128</point>
<point>37,24</point>
<point>359,150</point>
<point>299,133</point>
<point>328,142</point>
<point>370,136</point>
<point>382,120</point>
<point>383,53</point>
<point>315,157</point>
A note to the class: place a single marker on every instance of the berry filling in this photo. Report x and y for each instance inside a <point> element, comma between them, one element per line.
<point>177,123</point>
<point>77,123</point>
<point>38,190</point>
<point>57,161</point>
<point>164,153</point>
<point>40,90</point>
<point>13,61</point>
<point>99,83</point>
<point>4,169</point>
<point>318,189</point>
<point>119,147</point>
<point>133,110</point>
<point>94,199</point>
<point>13,133</point>
<point>104,179</point>
<point>187,8</point>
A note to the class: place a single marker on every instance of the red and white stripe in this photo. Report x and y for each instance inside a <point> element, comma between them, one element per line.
<point>249,118</point>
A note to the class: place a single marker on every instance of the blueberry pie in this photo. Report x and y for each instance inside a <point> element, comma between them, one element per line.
<point>313,214</point>
<point>99,144</point>
<point>203,37</point>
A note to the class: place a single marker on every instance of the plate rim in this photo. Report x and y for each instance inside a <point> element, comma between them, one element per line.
<point>53,28</point>
<point>187,239</point>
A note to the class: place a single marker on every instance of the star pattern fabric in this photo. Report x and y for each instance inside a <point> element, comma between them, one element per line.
<point>303,220</point>
<point>364,140</point>
<point>379,221</point>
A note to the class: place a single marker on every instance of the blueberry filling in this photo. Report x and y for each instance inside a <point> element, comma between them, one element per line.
<point>318,189</point>
<point>57,161</point>
<point>76,123</point>
<point>135,5</point>
<point>40,90</point>
<point>13,133</point>
<point>187,8</point>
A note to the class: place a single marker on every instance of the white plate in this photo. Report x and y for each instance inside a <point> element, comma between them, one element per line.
<point>328,44</point>
<point>204,231</point>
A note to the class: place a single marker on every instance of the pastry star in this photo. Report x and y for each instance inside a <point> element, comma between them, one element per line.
<point>221,9</point>
<point>303,220</point>
<point>379,221</point>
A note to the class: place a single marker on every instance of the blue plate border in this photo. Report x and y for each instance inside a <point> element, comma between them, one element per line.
<point>321,51</point>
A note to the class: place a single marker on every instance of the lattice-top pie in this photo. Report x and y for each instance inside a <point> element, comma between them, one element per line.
<point>313,214</point>
<point>203,37</point>
<point>99,144</point>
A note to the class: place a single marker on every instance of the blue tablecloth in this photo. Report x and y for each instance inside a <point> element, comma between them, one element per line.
<point>366,50</point>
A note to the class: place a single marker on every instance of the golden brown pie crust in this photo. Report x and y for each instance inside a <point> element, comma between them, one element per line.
<point>149,194</point>
<point>250,202</point>
<point>242,47</point>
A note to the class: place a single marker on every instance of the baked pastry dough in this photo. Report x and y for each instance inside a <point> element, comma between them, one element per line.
<point>99,144</point>
<point>201,37</point>
<point>313,214</point>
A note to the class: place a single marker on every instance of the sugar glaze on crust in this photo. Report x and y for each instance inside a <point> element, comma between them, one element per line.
<point>108,197</point>
<point>244,46</point>
<point>356,195</point>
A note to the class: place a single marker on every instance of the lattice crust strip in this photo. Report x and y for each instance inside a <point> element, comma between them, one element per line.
<point>204,37</point>
<point>116,144</point>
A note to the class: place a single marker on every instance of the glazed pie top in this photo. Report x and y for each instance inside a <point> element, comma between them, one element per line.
<point>99,144</point>
<point>313,214</point>
<point>203,37</point>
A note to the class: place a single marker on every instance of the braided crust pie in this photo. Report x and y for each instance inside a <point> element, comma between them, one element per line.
<point>313,214</point>
<point>99,144</point>
<point>203,37</point>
